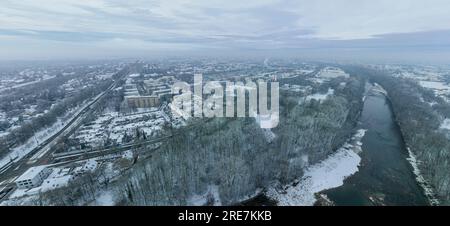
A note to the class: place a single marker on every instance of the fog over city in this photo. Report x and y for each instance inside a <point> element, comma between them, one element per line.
<point>335,30</point>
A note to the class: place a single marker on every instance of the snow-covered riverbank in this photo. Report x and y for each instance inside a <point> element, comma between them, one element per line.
<point>327,174</point>
<point>428,190</point>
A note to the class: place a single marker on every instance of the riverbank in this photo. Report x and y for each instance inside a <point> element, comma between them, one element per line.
<point>327,174</point>
<point>428,190</point>
<point>385,176</point>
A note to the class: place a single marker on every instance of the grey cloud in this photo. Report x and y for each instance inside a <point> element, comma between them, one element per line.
<point>275,26</point>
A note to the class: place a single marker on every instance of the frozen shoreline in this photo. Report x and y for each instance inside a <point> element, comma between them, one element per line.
<point>327,174</point>
<point>428,190</point>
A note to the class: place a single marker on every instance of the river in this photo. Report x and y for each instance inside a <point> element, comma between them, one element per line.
<point>385,177</point>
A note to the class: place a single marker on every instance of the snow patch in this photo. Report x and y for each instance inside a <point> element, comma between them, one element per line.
<point>332,72</point>
<point>105,199</point>
<point>329,173</point>
<point>318,96</point>
<point>378,88</point>
<point>445,124</point>
<point>434,85</point>
<point>211,195</point>
<point>429,193</point>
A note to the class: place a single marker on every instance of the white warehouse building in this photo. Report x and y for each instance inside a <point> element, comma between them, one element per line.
<point>33,177</point>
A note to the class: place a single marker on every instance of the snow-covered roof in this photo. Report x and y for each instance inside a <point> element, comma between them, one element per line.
<point>31,173</point>
<point>134,75</point>
<point>90,165</point>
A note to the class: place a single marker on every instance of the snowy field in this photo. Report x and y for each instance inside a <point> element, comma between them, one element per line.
<point>329,173</point>
<point>434,85</point>
<point>440,89</point>
<point>332,72</point>
<point>318,96</point>
<point>327,74</point>
<point>429,78</point>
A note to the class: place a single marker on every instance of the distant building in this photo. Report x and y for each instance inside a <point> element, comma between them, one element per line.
<point>33,177</point>
<point>159,85</point>
<point>142,101</point>
<point>134,99</point>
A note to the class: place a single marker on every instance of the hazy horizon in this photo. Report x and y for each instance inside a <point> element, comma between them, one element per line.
<point>349,30</point>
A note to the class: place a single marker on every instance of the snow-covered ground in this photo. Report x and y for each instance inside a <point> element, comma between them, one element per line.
<point>268,121</point>
<point>329,173</point>
<point>327,74</point>
<point>105,198</point>
<point>332,72</point>
<point>420,179</point>
<point>22,84</point>
<point>440,89</point>
<point>211,194</point>
<point>432,78</point>
<point>269,135</point>
<point>434,85</point>
<point>445,124</point>
<point>318,96</point>
<point>379,89</point>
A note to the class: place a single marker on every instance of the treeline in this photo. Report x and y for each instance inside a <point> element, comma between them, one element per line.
<point>419,123</point>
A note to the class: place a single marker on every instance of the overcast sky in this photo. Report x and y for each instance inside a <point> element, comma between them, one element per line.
<point>337,29</point>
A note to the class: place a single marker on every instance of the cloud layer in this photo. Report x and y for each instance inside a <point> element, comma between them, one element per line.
<point>97,28</point>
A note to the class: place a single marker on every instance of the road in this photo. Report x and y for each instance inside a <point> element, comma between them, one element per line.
<point>41,154</point>
<point>80,155</point>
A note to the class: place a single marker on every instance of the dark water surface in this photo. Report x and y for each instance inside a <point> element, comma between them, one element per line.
<point>385,177</point>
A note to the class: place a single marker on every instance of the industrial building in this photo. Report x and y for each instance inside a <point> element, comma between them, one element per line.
<point>33,177</point>
<point>150,94</point>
